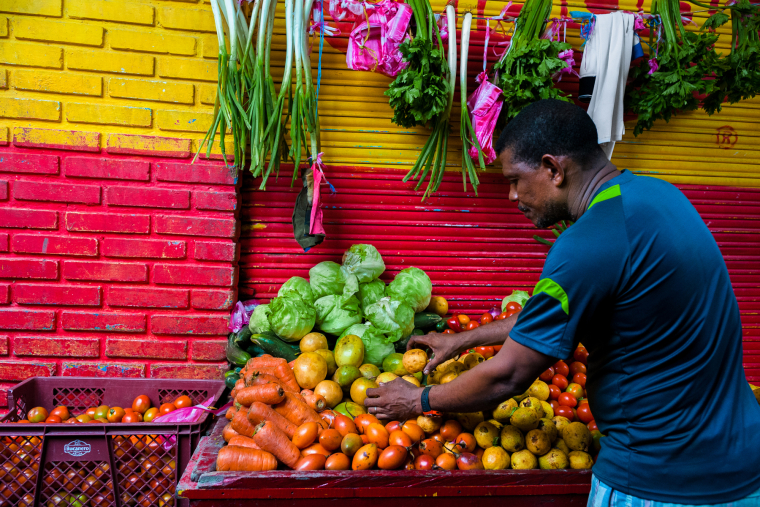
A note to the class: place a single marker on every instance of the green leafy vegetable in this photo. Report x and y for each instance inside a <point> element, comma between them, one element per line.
<point>259,322</point>
<point>291,318</point>
<point>412,286</point>
<point>337,312</point>
<point>518,296</point>
<point>376,345</point>
<point>393,318</point>
<point>300,286</point>
<point>326,278</point>
<point>371,292</point>
<point>364,261</point>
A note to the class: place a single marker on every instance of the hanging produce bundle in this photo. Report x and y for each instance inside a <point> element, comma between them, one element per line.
<point>467,133</point>
<point>527,68</point>
<point>671,80</point>
<point>423,92</point>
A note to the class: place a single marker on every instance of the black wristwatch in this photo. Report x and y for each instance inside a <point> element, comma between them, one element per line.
<point>425,402</point>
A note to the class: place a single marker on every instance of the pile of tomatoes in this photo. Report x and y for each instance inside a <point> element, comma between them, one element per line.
<point>459,323</point>
<point>140,411</point>
<point>567,388</point>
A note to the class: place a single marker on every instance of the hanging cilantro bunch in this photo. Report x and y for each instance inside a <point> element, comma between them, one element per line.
<point>740,71</point>
<point>684,59</point>
<point>526,70</point>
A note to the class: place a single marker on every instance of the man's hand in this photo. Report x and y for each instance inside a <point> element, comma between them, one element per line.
<point>444,347</point>
<point>395,401</point>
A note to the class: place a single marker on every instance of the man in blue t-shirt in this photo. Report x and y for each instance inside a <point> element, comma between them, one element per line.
<point>641,282</point>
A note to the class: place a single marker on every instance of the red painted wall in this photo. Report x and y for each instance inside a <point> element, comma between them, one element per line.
<point>114,265</point>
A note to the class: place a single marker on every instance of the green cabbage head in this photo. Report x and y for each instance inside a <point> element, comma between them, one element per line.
<point>300,286</point>
<point>326,279</point>
<point>337,312</point>
<point>291,318</point>
<point>393,318</point>
<point>259,322</point>
<point>364,261</point>
<point>371,292</point>
<point>413,286</point>
<point>376,345</point>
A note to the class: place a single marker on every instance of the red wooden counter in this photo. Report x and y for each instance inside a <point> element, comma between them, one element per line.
<point>206,488</point>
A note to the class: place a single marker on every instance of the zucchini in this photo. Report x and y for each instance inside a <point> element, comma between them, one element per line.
<point>235,354</point>
<point>271,344</point>
<point>425,320</point>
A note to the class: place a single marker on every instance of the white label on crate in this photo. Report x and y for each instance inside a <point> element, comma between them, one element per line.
<point>77,448</point>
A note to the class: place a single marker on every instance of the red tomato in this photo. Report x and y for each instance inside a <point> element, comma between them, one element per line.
<point>53,419</point>
<point>567,400</point>
<point>141,404</point>
<point>513,307</point>
<point>497,348</point>
<point>560,381</point>
<point>554,392</point>
<point>581,354</point>
<point>454,325</point>
<point>584,413</point>
<point>577,367</point>
<point>449,331</point>
<point>592,426</point>
<point>485,351</point>
<point>555,405</point>
<point>576,390</point>
<point>547,375</point>
<point>561,368</point>
<point>471,325</point>
<point>463,319</point>
<point>486,318</point>
<point>502,316</point>
<point>565,412</point>
<point>580,379</point>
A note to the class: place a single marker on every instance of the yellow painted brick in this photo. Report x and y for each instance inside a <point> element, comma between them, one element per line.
<point>38,7</point>
<point>55,31</point>
<point>208,94</point>
<point>56,139</point>
<point>116,11</point>
<point>159,91</point>
<point>183,121</point>
<point>109,115</point>
<point>148,145</point>
<point>3,79</point>
<point>196,20</point>
<point>31,55</point>
<point>152,42</point>
<point>118,63</point>
<point>211,46</point>
<point>30,109</point>
<point>58,82</point>
<point>4,136</point>
<point>187,68</point>
<point>3,26</point>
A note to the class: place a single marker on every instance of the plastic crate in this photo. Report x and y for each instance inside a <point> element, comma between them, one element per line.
<point>96,465</point>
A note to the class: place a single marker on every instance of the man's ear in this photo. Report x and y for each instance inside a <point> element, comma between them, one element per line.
<point>554,168</point>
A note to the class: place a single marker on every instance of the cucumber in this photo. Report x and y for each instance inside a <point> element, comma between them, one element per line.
<point>441,326</point>
<point>243,336</point>
<point>255,351</point>
<point>235,354</point>
<point>271,344</point>
<point>231,380</point>
<point>425,320</point>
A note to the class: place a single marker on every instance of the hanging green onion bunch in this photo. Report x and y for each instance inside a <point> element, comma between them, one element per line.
<point>684,60</point>
<point>466,131</point>
<point>526,69</point>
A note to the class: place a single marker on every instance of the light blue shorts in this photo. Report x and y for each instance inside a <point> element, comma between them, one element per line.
<point>603,495</point>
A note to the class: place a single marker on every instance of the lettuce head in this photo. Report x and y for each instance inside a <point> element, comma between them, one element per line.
<point>393,318</point>
<point>412,286</point>
<point>337,312</point>
<point>300,286</point>
<point>291,318</point>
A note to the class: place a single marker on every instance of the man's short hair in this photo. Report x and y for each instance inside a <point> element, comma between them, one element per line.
<point>553,127</point>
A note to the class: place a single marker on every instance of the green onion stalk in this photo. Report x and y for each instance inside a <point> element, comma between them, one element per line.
<point>466,132</point>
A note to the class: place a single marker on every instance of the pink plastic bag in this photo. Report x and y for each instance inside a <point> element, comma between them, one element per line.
<point>484,105</point>
<point>346,10</point>
<point>241,315</point>
<point>374,42</point>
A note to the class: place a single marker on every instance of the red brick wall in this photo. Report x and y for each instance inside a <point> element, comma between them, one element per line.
<point>114,265</point>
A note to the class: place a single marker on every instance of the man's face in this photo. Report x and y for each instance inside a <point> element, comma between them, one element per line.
<point>536,191</point>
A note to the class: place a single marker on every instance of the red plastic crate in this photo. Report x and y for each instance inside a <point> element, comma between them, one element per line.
<point>99,465</point>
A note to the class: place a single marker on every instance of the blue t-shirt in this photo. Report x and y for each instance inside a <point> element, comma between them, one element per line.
<point>640,281</point>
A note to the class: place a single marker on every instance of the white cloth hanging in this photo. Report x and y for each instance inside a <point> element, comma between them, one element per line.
<point>608,57</point>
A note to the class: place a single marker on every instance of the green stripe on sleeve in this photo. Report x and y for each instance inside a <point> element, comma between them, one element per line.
<point>552,288</point>
<point>605,195</point>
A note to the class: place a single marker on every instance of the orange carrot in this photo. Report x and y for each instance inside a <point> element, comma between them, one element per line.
<point>243,441</point>
<point>241,424</point>
<point>296,411</point>
<point>317,402</point>
<point>231,412</point>
<point>285,373</point>
<point>233,458</point>
<point>264,378</point>
<point>264,362</point>
<point>259,412</point>
<point>228,432</point>
<point>271,439</point>
<point>271,394</point>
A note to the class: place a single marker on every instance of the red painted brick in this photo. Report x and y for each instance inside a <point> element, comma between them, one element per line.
<point>147,349</point>
<point>63,295</point>
<point>216,201</point>
<point>32,269</point>
<point>107,222</point>
<point>185,274</point>
<point>56,192</point>
<point>4,386</point>
<point>5,294</point>
<point>55,245</point>
<point>106,322</point>
<point>107,169</point>
<point>23,319</point>
<point>144,249</point>
<point>56,346</point>
<point>102,369</point>
<point>105,271</point>
<point>215,174</point>
<point>143,297</point>
<point>16,371</point>
<point>16,218</point>
<point>196,226</point>
<point>189,324</point>
<point>212,299</point>
<point>28,163</point>
<point>3,190</point>
<point>4,241</point>
<point>190,371</point>
<point>141,197</point>
<point>3,345</point>
<point>215,251</point>
<point>209,350</point>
